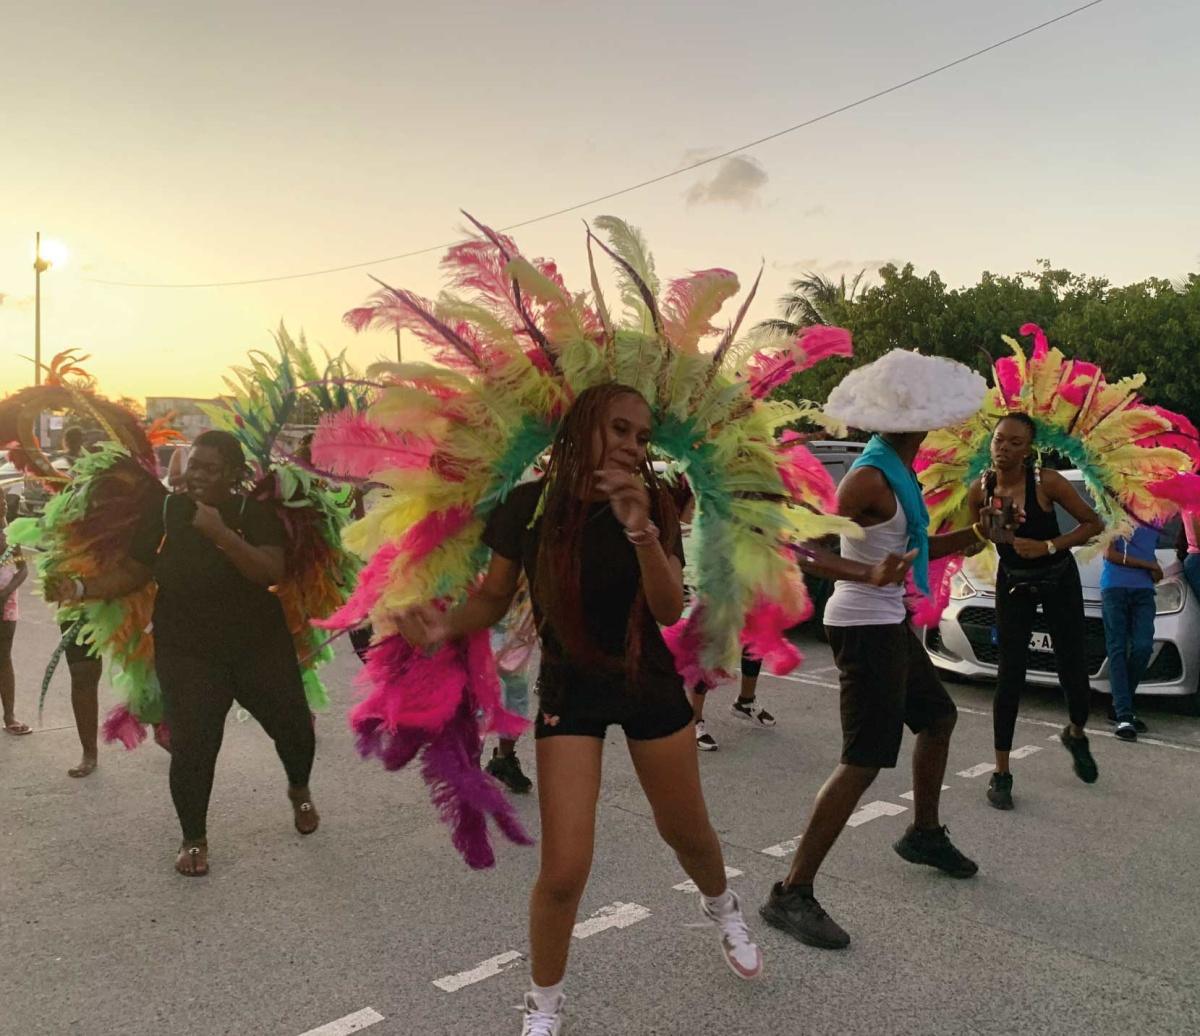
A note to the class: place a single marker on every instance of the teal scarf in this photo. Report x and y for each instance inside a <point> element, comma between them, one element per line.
<point>903,481</point>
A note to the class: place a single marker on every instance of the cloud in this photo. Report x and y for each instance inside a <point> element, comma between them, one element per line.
<point>831,267</point>
<point>738,179</point>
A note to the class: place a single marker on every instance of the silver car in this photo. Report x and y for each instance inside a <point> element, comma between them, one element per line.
<point>964,642</point>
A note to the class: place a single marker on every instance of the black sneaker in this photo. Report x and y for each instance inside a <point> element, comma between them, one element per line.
<point>1081,756</point>
<point>797,912</point>
<point>1139,726</point>
<point>934,849</point>
<point>1126,731</point>
<point>704,740</point>
<point>507,770</point>
<point>999,792</point>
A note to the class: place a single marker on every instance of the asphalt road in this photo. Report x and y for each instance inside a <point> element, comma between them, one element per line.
<point>1083,918</point>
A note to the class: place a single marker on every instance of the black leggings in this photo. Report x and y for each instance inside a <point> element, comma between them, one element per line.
<point>197,695</point>
<point>1062,606</point>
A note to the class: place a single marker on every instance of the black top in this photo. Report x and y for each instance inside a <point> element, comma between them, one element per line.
<point>1038,525</point>
<point>609,582</point>
<point>204,603</point>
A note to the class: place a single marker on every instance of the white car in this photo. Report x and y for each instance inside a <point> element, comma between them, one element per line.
<point>964,642</point>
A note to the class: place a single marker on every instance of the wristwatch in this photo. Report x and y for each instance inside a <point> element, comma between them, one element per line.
<point>1050,547</point>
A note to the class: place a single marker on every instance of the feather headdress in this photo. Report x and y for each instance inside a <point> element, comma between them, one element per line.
<point>450,441</point>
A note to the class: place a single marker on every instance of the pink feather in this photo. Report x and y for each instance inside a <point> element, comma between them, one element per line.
<point>1040,345</point>
<point>122,725</point>
<point>1008,380</point>
<point>764,634</point>
<point>691,302</point>
<point>685,641</point>
<point>769,370</point>
<point>927,611</point>
<point>372,581</point>
<point>804,475</point>
<point>349,443</point>
<point>1182,490</point>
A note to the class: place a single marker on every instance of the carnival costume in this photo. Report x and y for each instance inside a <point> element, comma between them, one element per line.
<point>451,440</point>
<point>1138,461</point>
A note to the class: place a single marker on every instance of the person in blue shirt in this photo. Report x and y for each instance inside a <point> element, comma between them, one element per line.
<point>1127,595</point>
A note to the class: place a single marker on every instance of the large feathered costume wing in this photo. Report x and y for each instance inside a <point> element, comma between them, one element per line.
<point>513,346</point>
<point>1137,460</point>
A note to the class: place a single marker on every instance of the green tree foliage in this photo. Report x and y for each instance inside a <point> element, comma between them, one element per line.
<point>1152,326</point>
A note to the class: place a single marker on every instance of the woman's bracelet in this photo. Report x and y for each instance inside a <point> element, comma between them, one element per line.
<point>80,589</point>
<point>644,536</point>
<point>978,530</point>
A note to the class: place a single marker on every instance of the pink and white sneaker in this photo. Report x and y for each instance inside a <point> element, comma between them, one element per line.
<point>741,954</point>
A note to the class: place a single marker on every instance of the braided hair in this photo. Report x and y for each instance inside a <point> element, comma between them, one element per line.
<point>567,486</point>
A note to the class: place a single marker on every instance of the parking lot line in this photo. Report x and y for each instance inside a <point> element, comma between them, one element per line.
<point>690,886</point>
<point>911,795</point>
<point>615,915</point>
<point>873,811</point>
<point>488,969</point>
<point>978,770</point>
<point>355,1022</point>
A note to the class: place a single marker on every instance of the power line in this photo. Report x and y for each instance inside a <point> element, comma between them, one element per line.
<point>632,187</point>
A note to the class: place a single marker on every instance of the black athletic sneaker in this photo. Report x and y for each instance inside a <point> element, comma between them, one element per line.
<point>748,711</point>
<point>999,792</point>
<point>934,849</point>
<point>1126,731</point>
<point>1139,726</point>
<point>507,770</point>
<point>797,912</point>
<point>1081,756</point>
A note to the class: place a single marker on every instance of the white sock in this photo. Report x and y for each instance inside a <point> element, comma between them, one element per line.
<point>722,904</point>
<point>547,998</point>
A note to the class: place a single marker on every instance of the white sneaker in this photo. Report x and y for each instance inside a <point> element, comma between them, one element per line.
<point>704,740</point>
<point>750,712</point>
<point>741,954</point>
<point>542,1023</point>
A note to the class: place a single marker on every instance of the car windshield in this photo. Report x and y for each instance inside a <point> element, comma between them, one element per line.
<point>1167,535</point>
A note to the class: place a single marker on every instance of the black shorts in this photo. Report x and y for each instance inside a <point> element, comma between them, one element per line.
<point>76,653</point>
<point>887,682</point>
<point>644,715</point>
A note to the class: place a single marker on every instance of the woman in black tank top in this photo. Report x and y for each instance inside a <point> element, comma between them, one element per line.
<point>1037,573</point>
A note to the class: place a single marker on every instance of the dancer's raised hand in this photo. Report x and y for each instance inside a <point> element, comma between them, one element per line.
<point>627,496</point>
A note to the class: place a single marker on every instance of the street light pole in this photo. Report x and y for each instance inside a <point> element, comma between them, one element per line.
<point>399,354</point>
<point>40,266</point>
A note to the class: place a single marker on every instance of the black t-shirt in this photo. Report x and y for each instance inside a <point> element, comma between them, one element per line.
<point>204,603</point>
<point>609,582</point>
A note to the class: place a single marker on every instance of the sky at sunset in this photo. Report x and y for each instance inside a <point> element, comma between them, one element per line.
<point>184,143</point>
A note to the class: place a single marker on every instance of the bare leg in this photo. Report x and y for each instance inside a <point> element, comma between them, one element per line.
<point>8,678</point>
<point>669,773</point>
<point>507,746</point>
<point>568,770</point>
<point>929,767</point>
<point>836,800</point>
<point>697,698</point>
<point>85,703</point>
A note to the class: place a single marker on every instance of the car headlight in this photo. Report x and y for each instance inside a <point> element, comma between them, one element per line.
<point>1168,597</point>
<point>961,587</point>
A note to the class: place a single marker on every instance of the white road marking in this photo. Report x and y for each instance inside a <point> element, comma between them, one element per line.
<point>355,1022</point>
<point>873,811</point>
<point>782,849</point>
<point>690,886</point>
<point>978,770</point>
<point>615,915</point>
<point>807,680</point>
<point>1090,730</point>
<point>911,795</point>
<point>488,969</point>
<point>1023,751</point>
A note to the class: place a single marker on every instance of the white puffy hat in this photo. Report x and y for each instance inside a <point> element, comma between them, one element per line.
<point>906,391</point>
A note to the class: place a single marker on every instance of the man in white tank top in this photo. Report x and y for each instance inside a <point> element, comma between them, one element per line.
<point>887,680</point>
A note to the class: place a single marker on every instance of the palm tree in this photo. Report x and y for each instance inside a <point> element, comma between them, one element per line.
<point>813,299</point>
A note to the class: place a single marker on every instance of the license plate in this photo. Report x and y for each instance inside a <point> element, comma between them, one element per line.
<point>1037,641</point>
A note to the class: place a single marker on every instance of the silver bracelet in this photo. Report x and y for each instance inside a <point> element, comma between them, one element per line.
<point>79,588</point>
<point>647,534</point>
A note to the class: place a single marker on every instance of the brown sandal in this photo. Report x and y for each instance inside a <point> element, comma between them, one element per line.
<point>305,814</point>
<point>192,861</point>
